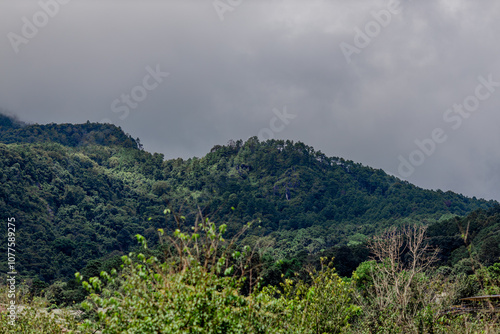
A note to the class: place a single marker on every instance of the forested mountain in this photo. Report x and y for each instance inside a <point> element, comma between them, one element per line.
<point>73,135</point>
<point>80,193</point>
<point>477,234</point>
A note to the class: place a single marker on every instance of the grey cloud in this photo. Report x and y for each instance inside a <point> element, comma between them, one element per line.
<point>227,76</point>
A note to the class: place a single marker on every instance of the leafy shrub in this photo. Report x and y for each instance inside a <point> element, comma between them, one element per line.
<point>196,290</point>
<point>322,306</point>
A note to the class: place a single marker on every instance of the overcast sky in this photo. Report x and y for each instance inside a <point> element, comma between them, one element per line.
<point>363,80</point>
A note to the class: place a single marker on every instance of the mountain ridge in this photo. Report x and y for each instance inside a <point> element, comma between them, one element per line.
<point>80,194</point>
<point>67,134</point>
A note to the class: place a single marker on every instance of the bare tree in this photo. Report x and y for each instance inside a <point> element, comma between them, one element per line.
<point>400,285</point>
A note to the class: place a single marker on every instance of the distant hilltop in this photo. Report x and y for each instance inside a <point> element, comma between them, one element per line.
<point>73,135</point>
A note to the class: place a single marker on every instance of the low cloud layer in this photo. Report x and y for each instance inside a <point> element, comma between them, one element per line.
<point>369,81</point>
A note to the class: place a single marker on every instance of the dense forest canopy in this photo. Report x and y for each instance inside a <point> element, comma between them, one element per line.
<point>72,135</point>
<point>81,192</point>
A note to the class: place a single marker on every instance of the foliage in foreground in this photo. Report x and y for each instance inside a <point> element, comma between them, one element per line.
<point>36,318</point>
<point>324,305</point>
<point>205,286</point>
<point>198,290</point>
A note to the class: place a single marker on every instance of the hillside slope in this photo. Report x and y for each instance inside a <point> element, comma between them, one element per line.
<point>81,192</point>
<point>477,235</point>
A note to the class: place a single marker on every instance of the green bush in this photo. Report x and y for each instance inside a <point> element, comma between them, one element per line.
<point>197,289</point>
<point>322,306</point>
<point>154,299</point>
